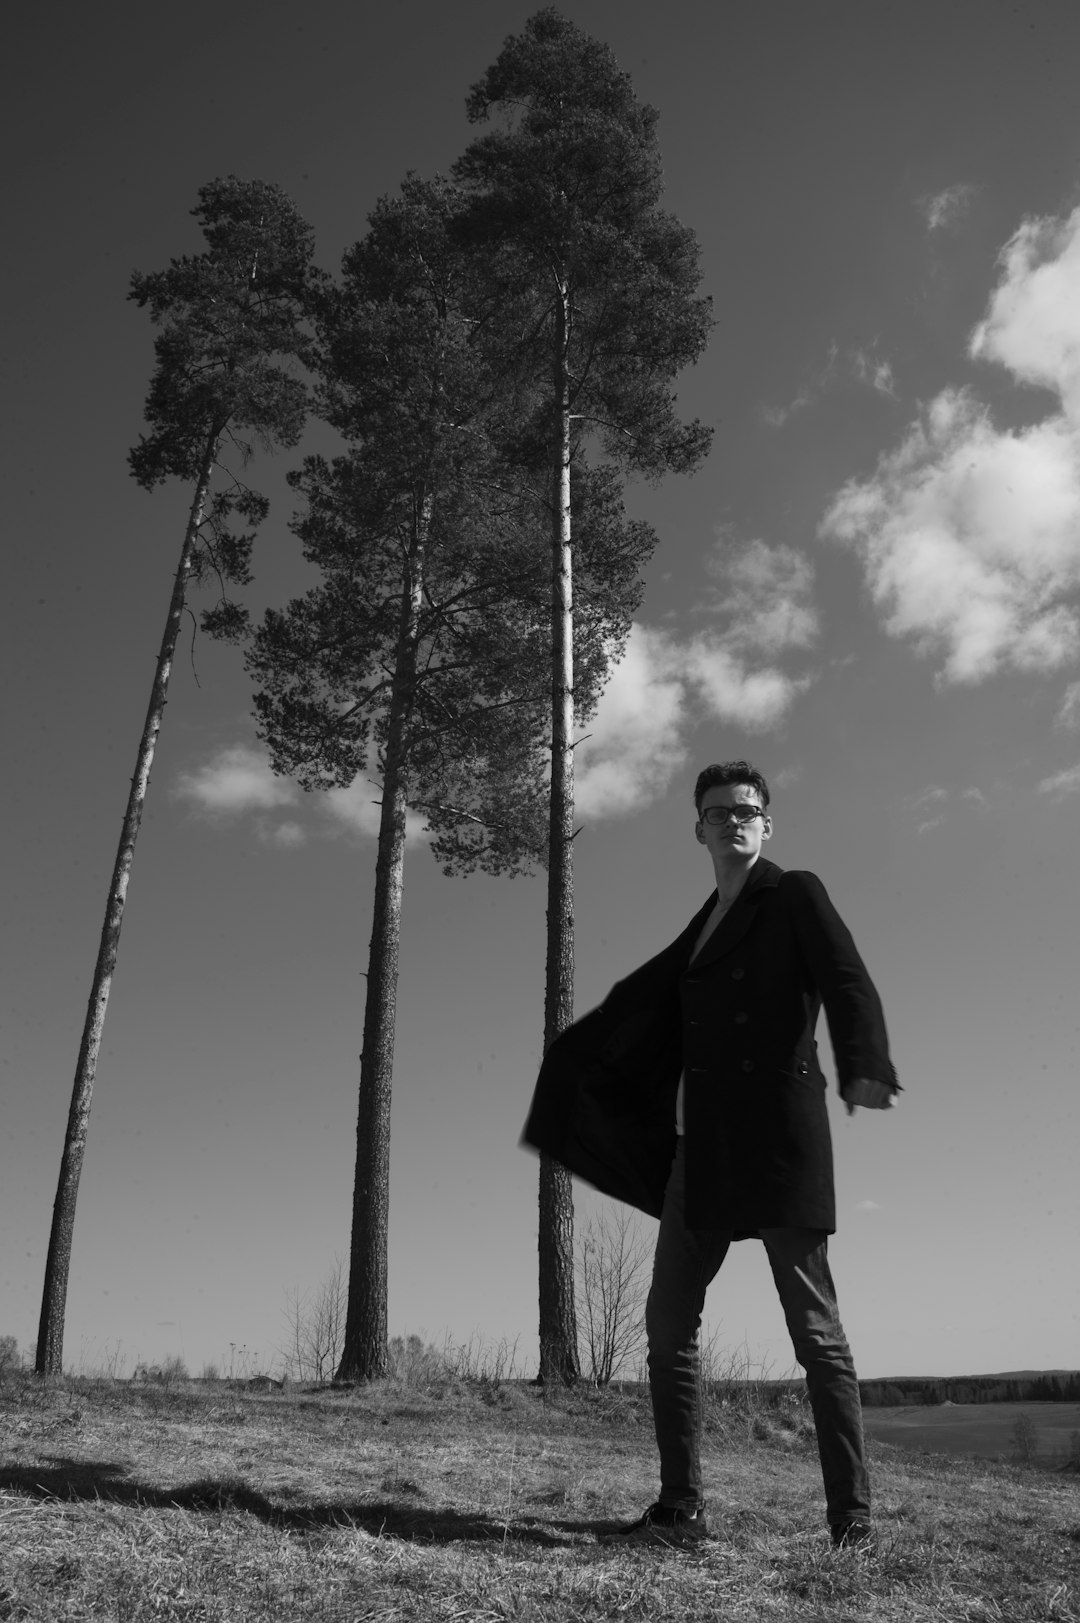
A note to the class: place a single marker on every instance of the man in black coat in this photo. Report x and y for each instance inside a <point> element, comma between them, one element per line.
<point>694,1093</point>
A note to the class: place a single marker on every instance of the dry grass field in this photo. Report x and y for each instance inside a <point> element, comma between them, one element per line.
<point>445,1500</point>
<point>1042,1433</point>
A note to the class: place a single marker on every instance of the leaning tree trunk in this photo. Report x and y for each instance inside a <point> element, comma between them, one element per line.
<point>364,1354</point>
<point>49,1356</point>
<point>558,1319</point>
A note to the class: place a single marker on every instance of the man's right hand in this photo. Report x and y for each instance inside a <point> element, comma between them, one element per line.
<point>871,1095</point>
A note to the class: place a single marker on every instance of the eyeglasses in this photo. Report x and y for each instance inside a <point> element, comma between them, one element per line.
<point>719,815</point>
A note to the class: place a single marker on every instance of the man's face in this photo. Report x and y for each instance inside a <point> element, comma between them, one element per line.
<point>730,842</point>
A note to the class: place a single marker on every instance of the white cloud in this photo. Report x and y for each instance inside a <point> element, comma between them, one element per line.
<point>877,374</point>
<point>1033,323</point>
<point>1062,783</point>
<point>787,776</point>
<point>356,808</point>
<point>945,208</point>
<point>764,595</point>
<point>777,416</point>
<point>1068,715</point>
<point>930,805</point>
<point>861,364</point>
<point>867,1206</point>
<point>969,535</point>
<point>933,802</point>
<point>663,687</point>
<point>359,807</point>
<point>635,743</point>
<point>729,691</point>
<point>287,835</point>
<point>759,607</point>
<point>237,779</point>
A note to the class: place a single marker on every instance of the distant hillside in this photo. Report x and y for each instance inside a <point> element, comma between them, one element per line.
<point>1017,1386</point>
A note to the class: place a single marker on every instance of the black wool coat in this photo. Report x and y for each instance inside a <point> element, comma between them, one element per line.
<point>741,1021</point>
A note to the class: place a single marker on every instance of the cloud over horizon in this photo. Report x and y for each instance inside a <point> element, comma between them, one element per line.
<point>358,808</point>
<point>860,364</point>
<point>1068,715</point>
<point>755,609</point>
<point>237,779</point>
<point>1062,783</point>
<point>759,606</point>
<point>945,208</point>
<point>968,534</point>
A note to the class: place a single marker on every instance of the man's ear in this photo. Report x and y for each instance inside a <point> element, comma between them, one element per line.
<point>766,828</point>
<point>699,833</point>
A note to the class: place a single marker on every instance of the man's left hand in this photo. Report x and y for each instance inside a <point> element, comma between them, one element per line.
<point>861,1090</point>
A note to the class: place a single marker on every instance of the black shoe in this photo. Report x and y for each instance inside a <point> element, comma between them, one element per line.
<point>854,1536</point>
<point>664,1524</point>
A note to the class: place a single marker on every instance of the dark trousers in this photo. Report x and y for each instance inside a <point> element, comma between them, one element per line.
<point>687,1260</point>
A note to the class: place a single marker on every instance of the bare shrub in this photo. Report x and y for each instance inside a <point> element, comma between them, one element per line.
<point>103,1361</point>
<point>1025,1439</point>
<point>613,1271</point>
<point>745,1395</point>
<point>316,1324</point>
<point>10,1359</point>
<point>174,1370</point>
<point>169,1373</point>
<point>729,1375</point>
<point>241,1363</point>
<point>414,1362</point>
<point>483,1363</point>
<point>112,1361</point>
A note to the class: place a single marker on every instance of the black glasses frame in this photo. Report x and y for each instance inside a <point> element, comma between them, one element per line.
<point>718,816</point>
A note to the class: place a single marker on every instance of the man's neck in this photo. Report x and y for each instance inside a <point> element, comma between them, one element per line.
<point>730,879</point>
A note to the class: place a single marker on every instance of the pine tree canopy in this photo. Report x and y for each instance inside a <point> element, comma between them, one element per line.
<point>434,555</point>
<point>227,317</point>
<point>232,324</point>
<point>565,195</point>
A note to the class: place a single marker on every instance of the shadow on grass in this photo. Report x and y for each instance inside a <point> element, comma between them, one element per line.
<point>69,1479</point>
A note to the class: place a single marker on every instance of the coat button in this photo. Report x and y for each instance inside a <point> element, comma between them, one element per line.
<point>802,1068</point>
<point>738,972</point>
<point>741,1018</point>
<point>748,1065</point>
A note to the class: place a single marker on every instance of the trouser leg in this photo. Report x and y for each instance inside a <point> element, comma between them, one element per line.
<point>686,1261</point>
<point>800,1267</point>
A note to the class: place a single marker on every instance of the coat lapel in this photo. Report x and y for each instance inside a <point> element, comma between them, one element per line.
<point>741,914</point>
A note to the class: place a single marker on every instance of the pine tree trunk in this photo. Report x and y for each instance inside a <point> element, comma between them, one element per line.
<point>364,1354</point>
<point>49,1355</point>
<point>558,1318</point>
<point>364,1349</point>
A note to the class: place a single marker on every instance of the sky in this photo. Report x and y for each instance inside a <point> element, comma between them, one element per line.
<point>871,589</point>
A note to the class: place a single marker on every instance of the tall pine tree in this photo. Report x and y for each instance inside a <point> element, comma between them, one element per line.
<point>231,320</point>
<point>601,310</point>
<point>420,657</point>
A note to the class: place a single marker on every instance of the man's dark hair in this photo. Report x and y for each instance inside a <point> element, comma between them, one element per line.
<point>726,773</point>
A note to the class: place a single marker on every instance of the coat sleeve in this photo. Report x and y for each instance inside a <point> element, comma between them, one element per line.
<point>852,1007</point>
